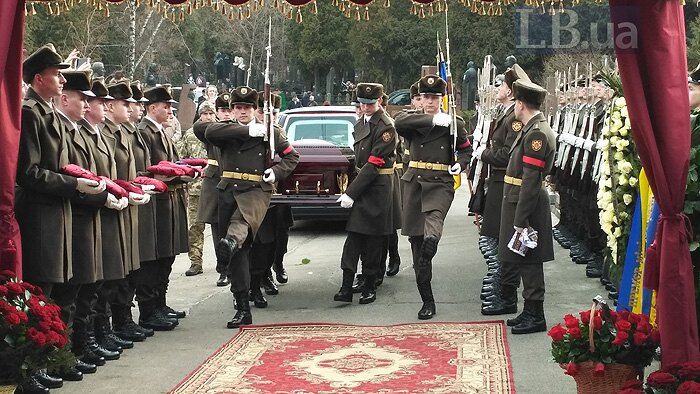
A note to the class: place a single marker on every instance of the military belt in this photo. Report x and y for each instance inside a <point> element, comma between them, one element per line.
<point>244,176</point>
<point>385,171</point>
<point>512,181</point>
<point>428,166</point>
<point>212,162</point>
<point>398,165</point>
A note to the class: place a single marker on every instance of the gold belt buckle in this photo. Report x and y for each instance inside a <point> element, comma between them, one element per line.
<point>244,176</point>
<point>429,166</point>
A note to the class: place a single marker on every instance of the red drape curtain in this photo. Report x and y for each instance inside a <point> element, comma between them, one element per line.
<point>654,79</point>
<point>11,41</point>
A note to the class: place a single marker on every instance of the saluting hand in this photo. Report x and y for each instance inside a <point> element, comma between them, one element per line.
<point>441,119</point>
<point>256,130</point>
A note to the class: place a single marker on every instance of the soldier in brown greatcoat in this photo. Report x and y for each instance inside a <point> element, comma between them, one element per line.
<point>171,218</point>
<point>369,195</point>
<point>496,155</point>
<point>113,244</point>
<point>122,320</point>
<point>525,206</point>
<point>247,179</point>
<point>208,211</point>
<point>87,228</point>
<point>428,181</point>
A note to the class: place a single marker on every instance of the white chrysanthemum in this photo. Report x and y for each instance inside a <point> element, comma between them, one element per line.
<point>622,180</point>
<point>624,113</point>
<point>617,233</point>
<point>624,131</point>
<point>619,156</point>
<point>633,181</point>
<point>620,102</point>
<point>627,198</point>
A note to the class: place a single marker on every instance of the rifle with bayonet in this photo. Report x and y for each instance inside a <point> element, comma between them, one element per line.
<point>587,126</point>
<point>267,98</point>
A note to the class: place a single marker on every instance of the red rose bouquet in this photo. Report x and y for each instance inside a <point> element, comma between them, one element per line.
<point>32,334</point>
<point>681,378</point>
<point>604,348</point>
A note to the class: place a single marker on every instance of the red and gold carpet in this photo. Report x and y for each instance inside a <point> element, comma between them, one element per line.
<point>333,358</point>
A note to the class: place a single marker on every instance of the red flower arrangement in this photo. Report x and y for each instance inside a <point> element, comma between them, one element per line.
<point>32,332</point>
<point>618,338</point>
<point>677,378</point>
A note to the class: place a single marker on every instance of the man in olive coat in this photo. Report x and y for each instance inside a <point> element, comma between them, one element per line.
<point>428,181</point>
<point>369,195</point>
<point>171,217</point>
<point>247,180</point>
<point>526,206</point>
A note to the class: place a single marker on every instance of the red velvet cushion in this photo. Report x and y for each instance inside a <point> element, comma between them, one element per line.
<point>128,186</point>
<point>115,189</point>
<point>161,187</point>
<point>79,172</point>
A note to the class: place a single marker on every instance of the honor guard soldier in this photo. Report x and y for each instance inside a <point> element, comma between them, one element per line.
<point>171,218</point>
<point>428,183</point>
<point>496,156</point>
<point>87,234</point>
<point>92,349</point>
<point>122,319</point>
<point>208,211</point>
<point>190,146</point>
<point>247,180</point>
<point>526,206</point>
<point>270,243</point>
<point>370,194</point>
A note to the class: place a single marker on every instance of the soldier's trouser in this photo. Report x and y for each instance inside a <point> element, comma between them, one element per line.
<point>65,295</point>
<point>115,298</point>
<point>357,244</point>
<point>164,278</point>
<point>262,256</point>
<point>195,232</point>
<point>281,242</point>
<point>239,270</point>
<point>434,223</point>
<point>84,313</point>
<point>152,284</point>
<point>424,274</point>
<point>532,276</point>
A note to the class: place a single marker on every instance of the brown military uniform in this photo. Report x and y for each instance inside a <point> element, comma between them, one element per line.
<point>371,217</point>
<point>146,213</point>
<point>171,219</point>
<point>496,156</point>
<point>526,204</point>
<point>243,196</point>
<point>87,223</point>
<point>113,233</point>
<point>42,202</point>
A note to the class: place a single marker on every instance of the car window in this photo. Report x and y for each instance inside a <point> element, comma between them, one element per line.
<point>400,99</point>
<point>336,130</point>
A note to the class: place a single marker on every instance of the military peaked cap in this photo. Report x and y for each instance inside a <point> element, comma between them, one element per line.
<point>433,85</point>
<point>513,74</point>
<point>529,92</point>
<point>244,95</point>
<point>414,90</point>
<point>136,92</point>
<point>223,100</point>
<point>40,60</point>
<point>121,91</point>
<point>78,81</point>
<point>100,90</point>
<point>159,94</point>
<point>369,93</point>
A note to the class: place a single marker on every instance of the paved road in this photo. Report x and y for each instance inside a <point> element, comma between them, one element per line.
<point>161,362</point>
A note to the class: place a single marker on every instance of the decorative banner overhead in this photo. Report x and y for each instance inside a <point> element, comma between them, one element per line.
<point>175,10</point>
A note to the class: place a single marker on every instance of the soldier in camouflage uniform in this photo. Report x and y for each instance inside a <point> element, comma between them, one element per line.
<point>190,146</point>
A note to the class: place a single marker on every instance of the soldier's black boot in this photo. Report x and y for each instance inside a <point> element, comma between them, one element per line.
<point>102,334</point>
<point>533,319</point>
<point>280,272</point>
<point>243,316</point>
<point>359,284</point>
<point>124,326</point>
<point>30,385</point>
<point>269,285</point>
<point>47,380</point>
<point>151,319</point>
<point>369,292</point>
<point>345,292</point>
<point>394,263</point>
<point>427,311</point>
<point>225,249</point>
<point>256,294</point>
<point>505,303</point>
